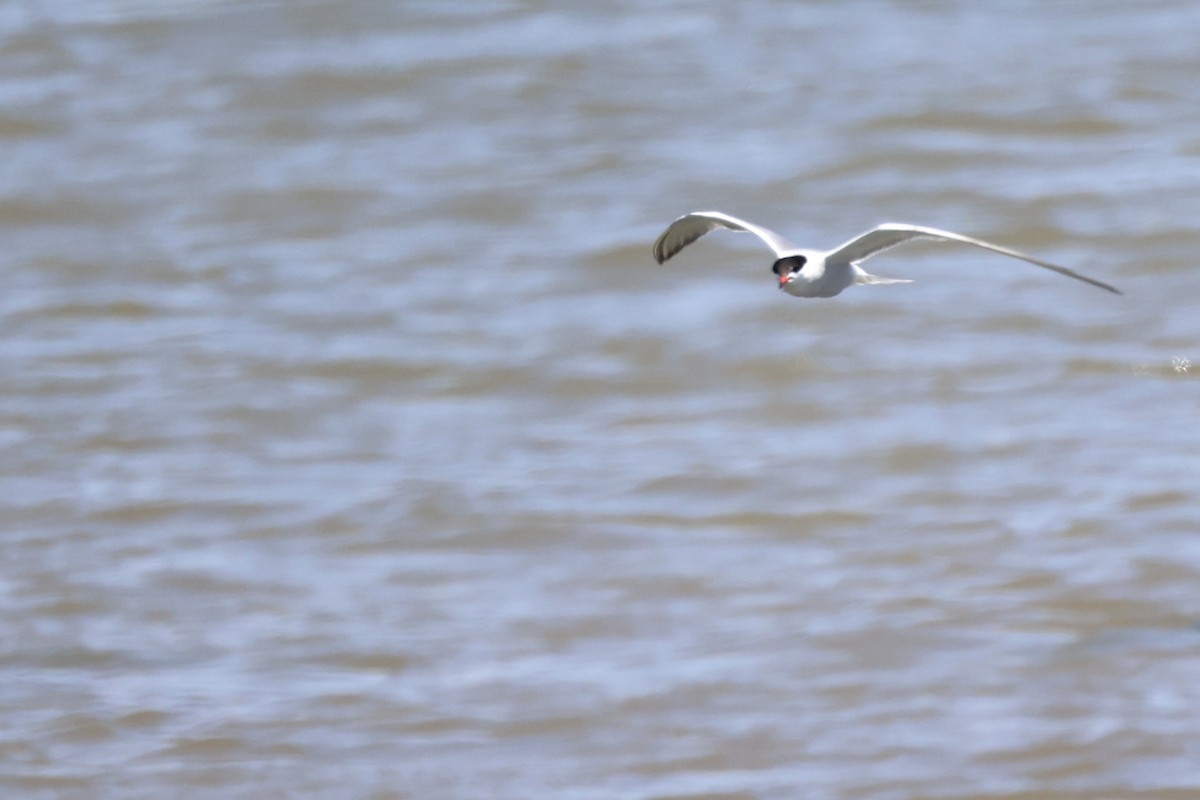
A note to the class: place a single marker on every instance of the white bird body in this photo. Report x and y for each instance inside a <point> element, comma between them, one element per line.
<point>826,273</point>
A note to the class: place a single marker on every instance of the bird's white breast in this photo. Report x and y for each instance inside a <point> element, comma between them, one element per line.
<point>820,279</point>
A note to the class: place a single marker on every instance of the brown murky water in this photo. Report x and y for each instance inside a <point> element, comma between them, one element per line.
<point>353,445</point>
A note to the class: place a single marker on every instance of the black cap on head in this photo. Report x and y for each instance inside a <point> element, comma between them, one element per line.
<point>786,266</point>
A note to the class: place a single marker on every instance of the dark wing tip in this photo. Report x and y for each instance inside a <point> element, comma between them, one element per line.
<point>663,252</point>
<point>1108,287</point>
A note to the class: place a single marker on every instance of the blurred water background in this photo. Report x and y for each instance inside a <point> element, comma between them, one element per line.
<point>354,446</point>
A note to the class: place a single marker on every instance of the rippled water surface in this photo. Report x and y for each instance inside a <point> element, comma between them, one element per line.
<point>354,446</point>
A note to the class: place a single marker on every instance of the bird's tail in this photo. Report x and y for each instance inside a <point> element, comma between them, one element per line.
<point>865,278</point>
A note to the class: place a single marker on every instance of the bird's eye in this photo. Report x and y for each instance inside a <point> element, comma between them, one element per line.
<point>788,265</point>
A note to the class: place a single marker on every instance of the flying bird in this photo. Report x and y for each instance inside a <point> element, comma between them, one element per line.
<point>825,273</point>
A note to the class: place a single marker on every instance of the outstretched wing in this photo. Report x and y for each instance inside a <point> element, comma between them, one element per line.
<point>690,227</point>
<point>891,234</point>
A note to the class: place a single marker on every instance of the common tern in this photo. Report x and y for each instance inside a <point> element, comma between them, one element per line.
<point>825,273</point>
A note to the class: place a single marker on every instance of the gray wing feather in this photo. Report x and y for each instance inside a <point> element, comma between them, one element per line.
<point>891,234</point>
<point>690,227</point>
